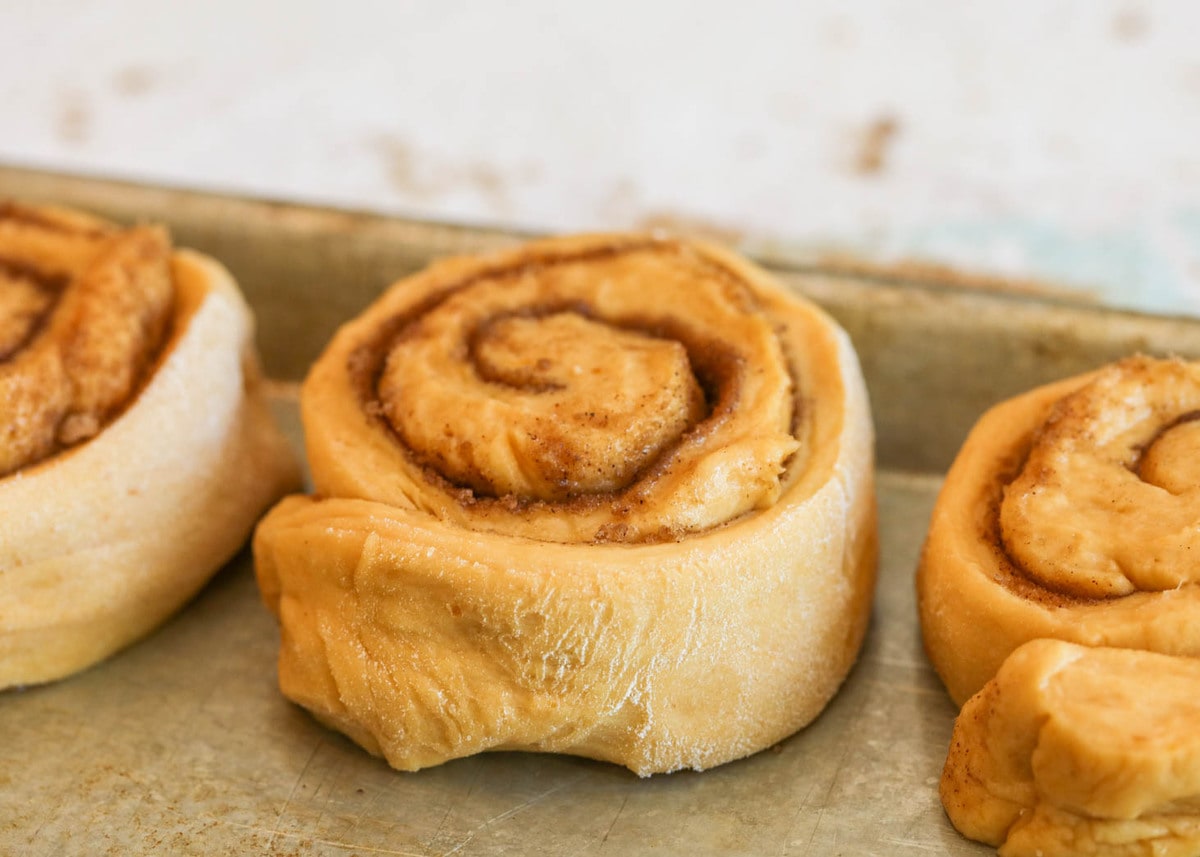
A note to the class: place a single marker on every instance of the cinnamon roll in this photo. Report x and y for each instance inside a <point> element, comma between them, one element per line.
<point>609,496</point>
<point>1074,750</point>
<point>136,450</point>
<point>1071,512</point>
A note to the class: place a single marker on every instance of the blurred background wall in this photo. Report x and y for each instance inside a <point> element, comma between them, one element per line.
<point>1049,140</point>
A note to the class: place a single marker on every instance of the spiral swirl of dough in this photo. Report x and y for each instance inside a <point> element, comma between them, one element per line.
<point>1108,500</point>
<point>632,392</point>
<point>84,310</point>
<point>603,495</point>
<point>136,447</point>
<point>1072,512</point>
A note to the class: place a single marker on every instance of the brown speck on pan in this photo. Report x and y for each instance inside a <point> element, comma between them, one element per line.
<point>133,80</point>
<point>876,139</point>
<point>424,176</point>
<point>489,182</point>
<point>74,119</point>
<point>1130,24</point>
<point>404,172</point>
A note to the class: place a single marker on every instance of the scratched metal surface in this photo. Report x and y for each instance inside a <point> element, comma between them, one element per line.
<point>182,744</point>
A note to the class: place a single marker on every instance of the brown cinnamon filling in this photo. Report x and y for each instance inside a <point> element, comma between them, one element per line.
<point>1100,501</point>
<point>74,347</point>
<point>25,303</point>
<point>1008,572</point>
<point>500,351</point>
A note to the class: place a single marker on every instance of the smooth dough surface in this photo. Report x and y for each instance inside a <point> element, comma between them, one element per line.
<point>1074,750</point>
<point>1060,604</point>
<point>1070,470</point>
<point>682,612</point>
<point>101,541</point>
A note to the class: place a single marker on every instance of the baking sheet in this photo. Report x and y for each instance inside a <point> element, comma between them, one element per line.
<point>182,744</point>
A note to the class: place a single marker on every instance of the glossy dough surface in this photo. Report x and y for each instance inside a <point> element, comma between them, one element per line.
<point>137,448</point>
<point>1059,597</point>
<point>609,496</point>
<point>1073,750</point>
<point>1068,514</point>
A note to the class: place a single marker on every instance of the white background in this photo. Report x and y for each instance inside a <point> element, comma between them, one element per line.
<point>1056,140</point>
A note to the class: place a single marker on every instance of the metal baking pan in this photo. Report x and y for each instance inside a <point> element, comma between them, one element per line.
<point>181,744</point>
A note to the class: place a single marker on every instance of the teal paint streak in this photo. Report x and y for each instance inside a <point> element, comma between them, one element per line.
<point>1151,267</point>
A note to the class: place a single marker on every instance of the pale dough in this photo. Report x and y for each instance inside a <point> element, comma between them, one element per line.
<point>682,612</point>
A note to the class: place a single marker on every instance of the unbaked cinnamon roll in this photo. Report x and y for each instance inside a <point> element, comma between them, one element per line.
<point>136,451</point>
<point>608,496</point>
<point>1071,512</point>
<point>1073,750</point>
